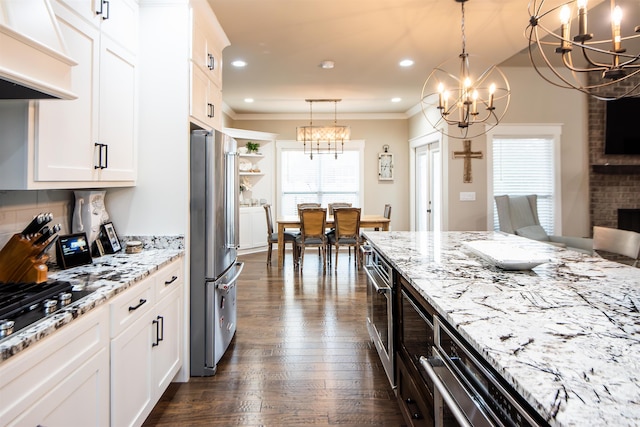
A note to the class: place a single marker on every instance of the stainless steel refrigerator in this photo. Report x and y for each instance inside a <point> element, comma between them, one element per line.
<point>213,243</point>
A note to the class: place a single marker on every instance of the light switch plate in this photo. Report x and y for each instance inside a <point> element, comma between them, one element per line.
<point>467,196</point>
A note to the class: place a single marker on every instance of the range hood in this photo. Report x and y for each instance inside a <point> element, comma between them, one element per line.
<point>33,60</point>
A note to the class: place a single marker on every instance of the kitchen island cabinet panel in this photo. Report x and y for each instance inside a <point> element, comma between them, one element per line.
<point>69,370</point>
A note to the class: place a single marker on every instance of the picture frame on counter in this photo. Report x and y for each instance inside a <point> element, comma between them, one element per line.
<point>110,241</point>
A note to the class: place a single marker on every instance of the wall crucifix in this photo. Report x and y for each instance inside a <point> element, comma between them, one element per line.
<point>467,155</point>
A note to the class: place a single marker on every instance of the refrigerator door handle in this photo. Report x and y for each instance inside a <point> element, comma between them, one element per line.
<point>232,200</point>
<point>232,282</point>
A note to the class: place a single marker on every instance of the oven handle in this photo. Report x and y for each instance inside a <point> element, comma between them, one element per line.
<point>374,281</point>
<point>231,283</point>
<point>447,391</point>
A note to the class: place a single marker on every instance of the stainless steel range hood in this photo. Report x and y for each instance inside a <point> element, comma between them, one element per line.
<point>33,60</point>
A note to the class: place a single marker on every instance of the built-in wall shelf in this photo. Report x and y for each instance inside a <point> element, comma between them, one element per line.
<point>616,169</point>
<point>251,173</point>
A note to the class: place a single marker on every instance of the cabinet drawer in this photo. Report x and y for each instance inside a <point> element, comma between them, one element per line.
<point>131,306</point>
<point>413,405</point>
<point>169,278</point>
<point>27,378</point>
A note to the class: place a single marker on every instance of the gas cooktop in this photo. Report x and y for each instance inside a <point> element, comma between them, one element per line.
<point>22,304</point>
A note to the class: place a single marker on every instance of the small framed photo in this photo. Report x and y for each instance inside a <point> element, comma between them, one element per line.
<point>110,240</point>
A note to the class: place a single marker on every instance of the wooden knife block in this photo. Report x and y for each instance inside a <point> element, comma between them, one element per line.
<point>19,262</point>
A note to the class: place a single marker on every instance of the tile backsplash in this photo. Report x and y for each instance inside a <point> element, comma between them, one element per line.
<point>17,209</point>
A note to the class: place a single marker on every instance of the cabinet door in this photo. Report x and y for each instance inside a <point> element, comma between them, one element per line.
<point>246,231</point>
<point>117,112</point>
<point>79,399</point>
<point>259,227</point>
<point>206,99</point>
<point>167,334</point>
<point>120,23</point>
<point>66,129</point>
<point>132,396</point>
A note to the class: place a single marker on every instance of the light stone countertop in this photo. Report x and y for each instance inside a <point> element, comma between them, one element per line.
<point>107,276</point>
<point>565,335</point>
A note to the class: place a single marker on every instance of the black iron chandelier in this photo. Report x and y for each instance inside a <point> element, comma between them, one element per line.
<point>600,68</point>
<point>456,95</point>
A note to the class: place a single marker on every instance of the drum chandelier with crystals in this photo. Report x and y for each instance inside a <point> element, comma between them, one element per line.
<point>461,102</point>
<point>600,68</point>
<point>323,139</point>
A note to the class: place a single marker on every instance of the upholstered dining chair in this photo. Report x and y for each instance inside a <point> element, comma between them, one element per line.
<point>337,205</point>
<point>386,213</point>
<point>306,206</point>
<point>519,215</point>
<point>620,242</point>
<point>313,222</point>
<point>347,232</point>
<point>272,237</point>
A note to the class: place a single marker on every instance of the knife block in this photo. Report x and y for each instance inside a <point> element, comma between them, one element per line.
<point>19,262</point>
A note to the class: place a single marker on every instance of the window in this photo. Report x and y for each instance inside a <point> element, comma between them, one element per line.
<point>323,180</point>
<point>524,162</point>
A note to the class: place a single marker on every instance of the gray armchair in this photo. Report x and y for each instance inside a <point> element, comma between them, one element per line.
<point>519,215</point>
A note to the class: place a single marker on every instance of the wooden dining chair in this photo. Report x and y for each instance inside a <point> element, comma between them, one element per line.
<point>615,241</point>
<point>272,237</point>
<point>332,206</point>
<point>386,213</point>
<point>347,232</point>
<point>301,206</point>
<point>313,222</point>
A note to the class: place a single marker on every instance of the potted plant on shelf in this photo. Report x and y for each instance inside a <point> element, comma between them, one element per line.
<point>252,147</point>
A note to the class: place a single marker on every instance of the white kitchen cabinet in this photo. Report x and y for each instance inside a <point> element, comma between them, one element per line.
<point>90,141</point>
<point>146,349</point>
<point>253,228</point>
<point>207,42</point>
<point>63,380</point>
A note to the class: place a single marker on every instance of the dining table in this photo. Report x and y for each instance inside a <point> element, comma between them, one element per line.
<point>293,221</point>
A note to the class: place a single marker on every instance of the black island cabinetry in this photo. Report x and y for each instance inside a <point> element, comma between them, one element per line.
<point>415,339</point>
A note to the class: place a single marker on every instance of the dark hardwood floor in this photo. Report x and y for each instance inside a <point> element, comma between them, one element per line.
<point>301,356</point>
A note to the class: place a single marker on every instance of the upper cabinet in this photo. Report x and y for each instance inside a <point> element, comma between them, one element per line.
<point>207,42</point>
<point>90,141</point>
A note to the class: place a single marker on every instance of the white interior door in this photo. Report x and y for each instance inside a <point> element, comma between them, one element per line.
<point>428,187</point>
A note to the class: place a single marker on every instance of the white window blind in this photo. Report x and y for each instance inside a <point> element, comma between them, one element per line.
<point>323,180</point>
<point>522,166</point>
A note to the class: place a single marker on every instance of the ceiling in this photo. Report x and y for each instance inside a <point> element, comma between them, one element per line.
<point>284,42</point>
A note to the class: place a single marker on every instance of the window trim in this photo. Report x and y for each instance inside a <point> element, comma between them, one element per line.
<point>552,131</point>
<point>353,145</point>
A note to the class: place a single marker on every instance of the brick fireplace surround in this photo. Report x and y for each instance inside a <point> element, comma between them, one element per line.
<point>614,180</point>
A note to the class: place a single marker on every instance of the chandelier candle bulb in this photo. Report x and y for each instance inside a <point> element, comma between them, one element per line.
<point>474,104</point>
<point>492,91</point>
<point>616,19</point>
<point>582,20</point>
<point>565,43</point>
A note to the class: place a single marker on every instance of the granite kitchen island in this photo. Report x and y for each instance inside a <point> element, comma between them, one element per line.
<point>565,334</point>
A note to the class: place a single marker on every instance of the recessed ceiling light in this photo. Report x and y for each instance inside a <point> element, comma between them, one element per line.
<point>327,65</point>
<point>239,63</point>
<point>248,100</point>
<point>396,99</point>
<point>406,63</point>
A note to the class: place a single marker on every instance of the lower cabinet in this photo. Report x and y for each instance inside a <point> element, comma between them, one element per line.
<point>63,380</point>
<point>253,228</point>
<point>146,351</point>
<point>108,367</point>
<point>413,405</point>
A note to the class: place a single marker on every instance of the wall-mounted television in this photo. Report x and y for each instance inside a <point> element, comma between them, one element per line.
<point>622,130</point>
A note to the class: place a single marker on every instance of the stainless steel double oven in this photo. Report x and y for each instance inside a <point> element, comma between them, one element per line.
<point>380,308</point>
